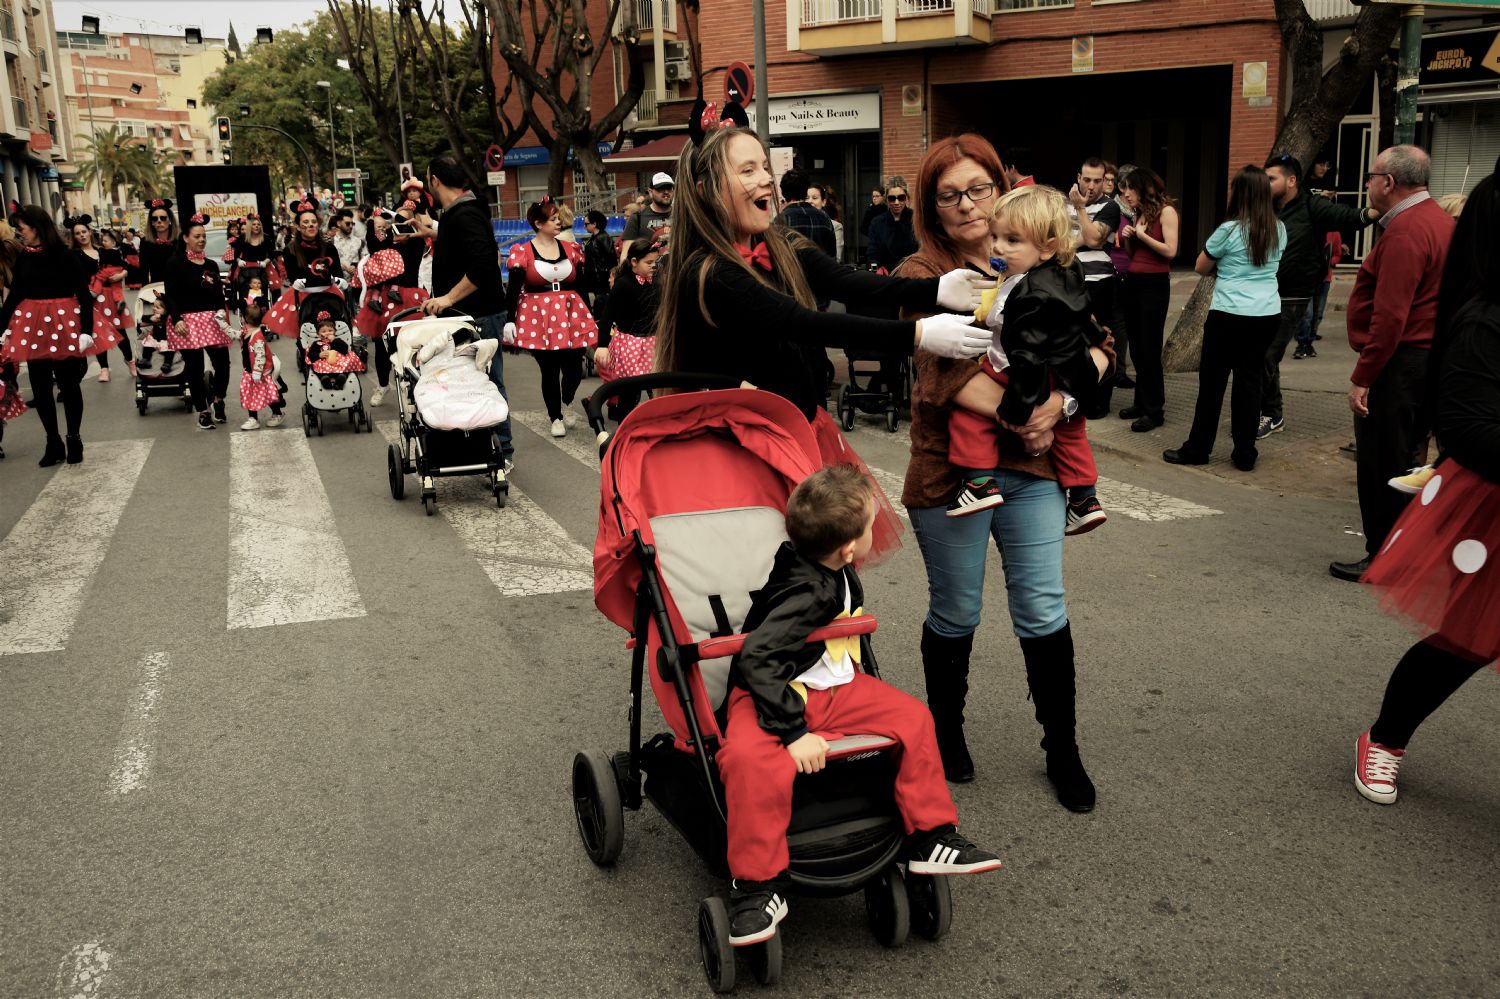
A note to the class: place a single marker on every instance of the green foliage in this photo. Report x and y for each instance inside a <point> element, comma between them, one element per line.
<point>116,158</point>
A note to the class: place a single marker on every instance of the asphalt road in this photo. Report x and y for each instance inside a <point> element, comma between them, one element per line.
<point>340,767</point>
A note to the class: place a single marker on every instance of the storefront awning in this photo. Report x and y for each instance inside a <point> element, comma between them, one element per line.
<point>657,151</point>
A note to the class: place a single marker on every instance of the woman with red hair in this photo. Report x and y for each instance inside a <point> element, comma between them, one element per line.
<point>958,184</point>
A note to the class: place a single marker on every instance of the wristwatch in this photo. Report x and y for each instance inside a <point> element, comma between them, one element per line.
<point>1070,406</point>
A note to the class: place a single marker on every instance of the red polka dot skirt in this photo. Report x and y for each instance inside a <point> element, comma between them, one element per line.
<point>629,356</point>
<point>47,329</point>
<point>204,329</point>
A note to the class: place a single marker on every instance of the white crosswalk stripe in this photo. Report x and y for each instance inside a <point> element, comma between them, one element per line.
<point>57,546</point>
<point>523,551</point>
<point>1139,503</point>
<point>287,563</point>
<point>137,744</point>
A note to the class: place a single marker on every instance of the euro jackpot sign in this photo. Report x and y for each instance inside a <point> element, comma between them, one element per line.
<point>1461,58</point>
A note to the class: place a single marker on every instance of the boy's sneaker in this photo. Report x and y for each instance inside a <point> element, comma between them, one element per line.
<point>755,909</point>
<point>1413,481</point>
<point>276,420</point>
<point>1299,353</point>
<point>250,424</point>
<point>1268,426</point>
<point>976,495</point>
<point>949,853</point>
<point>1311,351</point>
<point>206,422</point>
<point>220,416</point>
<point>1375,769</point>
<point>1085,515</point>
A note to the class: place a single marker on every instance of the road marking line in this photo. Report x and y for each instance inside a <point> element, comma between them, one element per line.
<point>57,546</point>
<point>83,972</point>
<point>287,563</point>
<point>137,744</point>
<point>1145,504</point>
<point>579,443</point>
<point>524,552</point>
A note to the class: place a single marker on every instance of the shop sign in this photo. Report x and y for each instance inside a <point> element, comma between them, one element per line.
<point>1467,57</point>
<point>822,114</point>
<point>48,173</point>
<point>541,156</point>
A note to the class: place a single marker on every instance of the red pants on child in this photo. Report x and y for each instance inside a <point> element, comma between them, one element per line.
<point>758,771</point>
<point>973,442</point>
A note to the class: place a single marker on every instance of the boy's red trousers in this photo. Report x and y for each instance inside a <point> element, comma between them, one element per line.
<point>974,443</point>
<point>758,771</point>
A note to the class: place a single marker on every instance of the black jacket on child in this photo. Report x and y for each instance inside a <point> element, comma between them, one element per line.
<point>800,596</point>
<point>1047,332</point>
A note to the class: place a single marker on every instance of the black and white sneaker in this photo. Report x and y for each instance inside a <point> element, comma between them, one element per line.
<point>977,495</point>
<point>755,909</point>
<point>1085,515</point>
<point>206,422</point>
<point>219,415</point>
<point>949,853</point>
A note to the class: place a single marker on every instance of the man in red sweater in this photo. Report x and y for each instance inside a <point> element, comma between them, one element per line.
<point>1392,314</point>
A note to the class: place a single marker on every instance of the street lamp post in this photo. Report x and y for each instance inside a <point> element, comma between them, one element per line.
<point>332,141</point>
<point>353,153</point>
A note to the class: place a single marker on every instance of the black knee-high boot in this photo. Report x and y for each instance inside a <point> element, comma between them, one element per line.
<point>1049,674</point>
<point>945,663</point>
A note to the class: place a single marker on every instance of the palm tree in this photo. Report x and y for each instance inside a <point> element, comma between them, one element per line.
<point>115,160</point>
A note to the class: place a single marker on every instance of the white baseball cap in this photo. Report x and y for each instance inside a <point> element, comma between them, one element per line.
<point>662,180</point>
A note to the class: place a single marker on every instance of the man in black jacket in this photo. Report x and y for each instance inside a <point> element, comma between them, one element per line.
<point>1308,219</point>
<point>466,267</point>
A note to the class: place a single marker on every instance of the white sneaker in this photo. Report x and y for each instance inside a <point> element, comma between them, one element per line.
<point>251,424</point>
<point>276,420</point>
<point>377,397</point>
<point>559,429</point>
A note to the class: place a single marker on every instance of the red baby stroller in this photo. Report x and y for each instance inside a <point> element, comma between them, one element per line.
<point>693,499</point>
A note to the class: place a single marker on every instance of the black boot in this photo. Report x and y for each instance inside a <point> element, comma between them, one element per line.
<point>945,663</point>
<point>1049,674</point>
<point>53,453</point>
<point>75,450</point>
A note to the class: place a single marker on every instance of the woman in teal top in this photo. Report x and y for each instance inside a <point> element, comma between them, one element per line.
<point>1245,251</point>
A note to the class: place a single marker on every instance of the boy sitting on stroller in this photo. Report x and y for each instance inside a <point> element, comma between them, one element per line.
<point>785,691</point>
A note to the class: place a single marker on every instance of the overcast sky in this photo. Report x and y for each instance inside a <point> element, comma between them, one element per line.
<point>171,16</point>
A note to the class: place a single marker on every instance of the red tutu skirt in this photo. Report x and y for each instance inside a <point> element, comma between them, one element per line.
<point>836,451</point>
<point>203,330</point>
<point>346,364</point>
<point>46,329</point>
<point>628,356</point>
<point>281,318</point>
<point>381,306</point>
<point>554,320</point>
<point>1440,568</point>
<point>258,395</point>
<point>111,298</point>
<point>11,403</point>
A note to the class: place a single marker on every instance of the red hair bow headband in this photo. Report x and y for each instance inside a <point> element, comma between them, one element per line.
<point>324,317</point>
<point>161,203</point>
<point>705,117</point>
<point>198,218</point>
<point>306,206</point>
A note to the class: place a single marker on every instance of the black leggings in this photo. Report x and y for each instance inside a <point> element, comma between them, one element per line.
<point>382,362</point>
<point>192,362</point>
<point>125,349</point>
<point>562,371</point>
<point>1146,298</point>
<point>66,375</point>
<point>1424,678</point>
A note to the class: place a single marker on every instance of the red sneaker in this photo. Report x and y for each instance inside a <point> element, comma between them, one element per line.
<point>1375,769</point>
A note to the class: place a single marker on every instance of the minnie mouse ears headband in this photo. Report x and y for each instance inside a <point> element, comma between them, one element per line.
<point>706,117</point>
<point>304,206</point>
<point>324,317</point>
<point>160,203</point>
<point>78,220</point>
<point>198,218</point>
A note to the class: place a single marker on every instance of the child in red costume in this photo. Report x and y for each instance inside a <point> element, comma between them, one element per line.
<point>785,692</point>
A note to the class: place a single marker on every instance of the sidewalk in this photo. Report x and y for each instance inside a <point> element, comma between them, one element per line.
<point>1304,458</point>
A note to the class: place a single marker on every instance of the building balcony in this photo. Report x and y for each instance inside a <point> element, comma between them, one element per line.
<point>645,108</point>
<point>646,17</point>
<point>1326,12</point>
<point>847,27</point>
<point>20,114</point>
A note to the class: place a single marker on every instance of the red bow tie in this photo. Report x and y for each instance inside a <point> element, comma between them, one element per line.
<point>642,279</point>
<point>196,258</point>
<point>758,257</point>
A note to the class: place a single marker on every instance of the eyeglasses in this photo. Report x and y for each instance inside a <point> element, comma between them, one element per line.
<point>898,198</point>
<point>975,194</point>
<point>1377,173</point>
<point>161,218</point>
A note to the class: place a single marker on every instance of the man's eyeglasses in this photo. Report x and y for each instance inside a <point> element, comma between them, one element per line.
<point>1377,173</point>
<point>976,194</point>
<point>898,198</point>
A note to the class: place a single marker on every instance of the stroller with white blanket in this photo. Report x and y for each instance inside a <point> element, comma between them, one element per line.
<point>450,411</point>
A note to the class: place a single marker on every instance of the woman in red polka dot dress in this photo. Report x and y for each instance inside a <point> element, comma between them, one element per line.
<point>547,315</point>
<point>1440,566</point>
<point>48,319</point>
<point>198,320</point>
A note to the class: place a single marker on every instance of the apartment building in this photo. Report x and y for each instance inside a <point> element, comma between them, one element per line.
<point>33,135</point>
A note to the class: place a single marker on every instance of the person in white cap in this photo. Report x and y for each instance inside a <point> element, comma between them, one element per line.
<point>656,213</point>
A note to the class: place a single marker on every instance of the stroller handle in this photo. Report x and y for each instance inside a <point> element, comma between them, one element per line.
<point>417,310</point>
<point>687,380</point>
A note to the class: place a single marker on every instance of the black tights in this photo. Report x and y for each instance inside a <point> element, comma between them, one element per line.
<point>192,362</point>
<point>382,362</point>
<point>1424,678</point>
<point>562,372</point>
<point>65,375</point>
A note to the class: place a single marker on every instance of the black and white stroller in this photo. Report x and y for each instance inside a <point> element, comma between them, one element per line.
<point>150,383</point>
<point>330,386</point>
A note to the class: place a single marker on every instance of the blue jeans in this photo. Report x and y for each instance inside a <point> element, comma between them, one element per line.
<point>1028,531</point>
<point>491,328</point>
<point>1313,317</point>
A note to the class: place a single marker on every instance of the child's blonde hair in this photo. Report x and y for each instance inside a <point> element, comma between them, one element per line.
<point>1040,214</point>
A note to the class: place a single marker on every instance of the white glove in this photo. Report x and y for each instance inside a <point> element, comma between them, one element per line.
<point>960,290</point>
<point>256,376</point>
<point>954,336</point>
<point>508,334</point>
<point>84,343</point>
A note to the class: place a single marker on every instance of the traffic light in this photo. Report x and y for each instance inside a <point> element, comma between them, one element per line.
<point>227,153</point>
<point>224,130</point>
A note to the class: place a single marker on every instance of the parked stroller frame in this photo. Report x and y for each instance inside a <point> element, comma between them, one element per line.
<point>846,834</point>
<point>855,397</point>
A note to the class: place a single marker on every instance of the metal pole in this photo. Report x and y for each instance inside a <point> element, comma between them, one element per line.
<point>306,159</point>
<point>333,146</point>
<point>762,98</point>
<point>400,111</point>
<point>1408,74</point>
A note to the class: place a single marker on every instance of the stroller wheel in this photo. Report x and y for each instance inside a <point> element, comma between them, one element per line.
<point>429,503</point>
<point>319,420</point>
<point>713,944</point>
<point>846,410</point>
<point>765,960</point>
<point>596,806</point>
<point>394,473</point>
<point>140,405</point>
<point>306,423</point>
<point>891,418</point>
<point>887,907</point>
<point>931,900</point>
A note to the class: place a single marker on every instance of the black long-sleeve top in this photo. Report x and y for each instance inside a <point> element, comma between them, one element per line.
<point>251,253</point>
<point>466,248</point>
<point>299,255</point>
<point>192,287</point>
<point>755,333</point>
<point>1468,403</point>
<point>49,274</point>
<point>89,266</point>
<point>412,249</point>
<point>154,257</point>
<point>317,347</point>
<point>631,309</point>
<point>1047,331</point>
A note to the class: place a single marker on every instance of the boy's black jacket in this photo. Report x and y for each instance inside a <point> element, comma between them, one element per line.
<point>799,597</point>
<point>1048,330</point>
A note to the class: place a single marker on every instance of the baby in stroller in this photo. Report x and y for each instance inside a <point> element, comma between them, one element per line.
<point>331,358</point>
<point>785,692</point>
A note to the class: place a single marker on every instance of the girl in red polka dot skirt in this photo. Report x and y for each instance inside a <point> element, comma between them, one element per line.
<point>1440,566</point>
<point>547,315</point>
<point>48,319</point>
<point>104,269</point>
